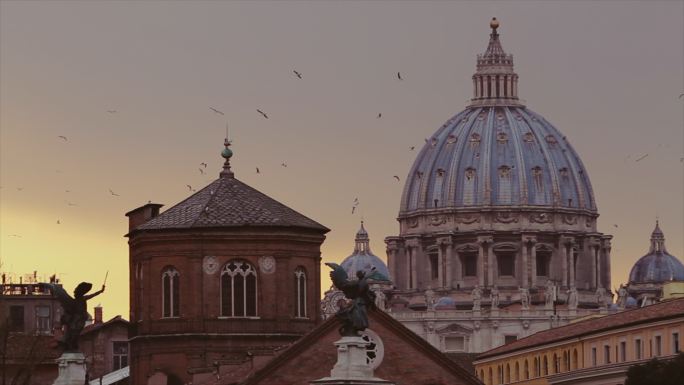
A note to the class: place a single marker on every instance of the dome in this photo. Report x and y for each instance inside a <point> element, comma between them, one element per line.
<point>496,152</point>
<point>658,265</point>
<point>363,259</point>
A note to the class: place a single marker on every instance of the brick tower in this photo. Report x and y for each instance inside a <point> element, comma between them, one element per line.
<point>218,282</point>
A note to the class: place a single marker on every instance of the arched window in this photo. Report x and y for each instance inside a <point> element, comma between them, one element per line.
<point>556,363</point>
<point>574,359</point>
<point>546,366</point>
<point>238,290</point>
<point>517,371</point>
<point>537,368</point>
<point>482,375</point>
<point>491,377</point>
<point>527,370</point>
<point>300,292</point>
<point>507,379</point>
<point>170,292</point>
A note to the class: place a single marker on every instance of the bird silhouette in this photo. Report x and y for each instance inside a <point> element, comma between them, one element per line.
<point>412,148</point>
<point>262,113</point>
<point>216,111</point>
<point>64,138</point>
<point>58,222</point>
<point>71,204</point>
<point>299,75</point>
<point>20,189</point>
<point>379,116</point>
<point>397,178</point>
<point>399,76</point>
<point>353,208</point>
<point>201,171</point>
<point>112,111</point>
<point>203,164</point>
<point>284,164</point>
<point>641,157</point>
<point>615,225</point>
<point>257,170</point>
<point>113,193</point>
<point>190,187</point>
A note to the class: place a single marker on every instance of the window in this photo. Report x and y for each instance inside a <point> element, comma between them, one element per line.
<point>556,363</point>
<point>506,263</point>
<point>593,356</point>
<point>543,259</point>
<point>546,366</point>
<point>507,379</point>
<point>16,318</point>
<point>606,354</point>
<point>43,319</point>
<point>675,343</point>
<point>434,264</point>
<point>537,368</point>
<point>575,359</point>
<point>658,345</point>
<point>119,354</point>
<point>637,348</point>
<point>469,264</point>
<point>623,351</point>
<point>300,293</point>
<point>170,292</point>
<point>527,370</point>
<point>454,343</point>
<point>510,338</point>
<point>517,371</point>
<point>238,290</point>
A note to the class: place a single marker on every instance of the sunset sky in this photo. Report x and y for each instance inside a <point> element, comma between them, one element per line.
<point>608,74</point>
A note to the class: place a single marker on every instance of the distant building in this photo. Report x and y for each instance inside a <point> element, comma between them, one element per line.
<point>595,351</point>
<point>498,236</point>
<point>31,327</point>
<point>219,283</point>
<point>652,271</point>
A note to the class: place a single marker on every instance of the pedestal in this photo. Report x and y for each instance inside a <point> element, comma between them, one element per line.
<point>351,367</point>
<point>72,369</point>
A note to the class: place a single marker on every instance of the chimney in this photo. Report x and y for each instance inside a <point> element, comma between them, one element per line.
<point>98,315</point>
<point>142,214</point>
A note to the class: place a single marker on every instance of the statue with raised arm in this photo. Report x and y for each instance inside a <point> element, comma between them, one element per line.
<point>75,312</point>
<point>355,316</point>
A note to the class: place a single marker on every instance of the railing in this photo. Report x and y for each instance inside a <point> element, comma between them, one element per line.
<point>224,326</point>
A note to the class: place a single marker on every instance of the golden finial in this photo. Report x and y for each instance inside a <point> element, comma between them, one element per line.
<point>494,24</point>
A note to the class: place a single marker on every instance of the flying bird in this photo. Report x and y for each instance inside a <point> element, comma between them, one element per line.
<point>353,208</point>
<point>641,157</point>
<point>299,75</point>
<point>58,222</point>
<point>262,113</point>
<point>257,170</point>
<point>63,137</point>
<point>216,111</point>
<point>113,193</point>
<point>201,171</point>
<point>412,148</point>
<point>20,188</point>
<point>284,164</point>
<point>615,225</point>
<point>112,111</point>
<point>399,76</point>
<point>15,235</point>
<point>379,116</point>
<point>190,187</point>
<point>397,178</point>
<point>203,164</point>
<point>71,204</point>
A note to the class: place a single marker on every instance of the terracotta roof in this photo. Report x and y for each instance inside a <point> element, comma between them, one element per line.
<point>378,315</point>
<point>663,310</point>
<point>227,202</point>
<point>93,327</point>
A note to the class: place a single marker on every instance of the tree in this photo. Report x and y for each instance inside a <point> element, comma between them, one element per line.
<point>657,372</point>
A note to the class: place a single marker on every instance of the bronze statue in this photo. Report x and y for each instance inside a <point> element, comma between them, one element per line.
<point>355,316</point>
<point>75,311</point>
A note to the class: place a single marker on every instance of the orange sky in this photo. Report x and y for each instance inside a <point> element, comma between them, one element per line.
<point>607,74</point>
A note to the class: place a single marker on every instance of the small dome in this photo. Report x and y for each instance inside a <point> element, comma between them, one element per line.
<point>363,259</point>
<point>631,302</point>
<point>658,265</point>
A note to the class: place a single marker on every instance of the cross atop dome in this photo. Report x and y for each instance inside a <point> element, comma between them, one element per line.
<point>227,153</point>
<point>494,82</point>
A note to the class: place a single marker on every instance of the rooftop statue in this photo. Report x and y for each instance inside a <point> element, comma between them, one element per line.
<point>354,316</point>
<point>75,311</point>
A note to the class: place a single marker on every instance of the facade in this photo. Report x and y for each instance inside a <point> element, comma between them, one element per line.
<point>219,282</point>
<point>652,271</point>
<point>498,236</point>
<point>396,354</point>
<point>105,345</point>
<point>594,351</point>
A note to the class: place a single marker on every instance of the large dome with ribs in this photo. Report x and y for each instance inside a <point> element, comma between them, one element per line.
<point>497,156</point>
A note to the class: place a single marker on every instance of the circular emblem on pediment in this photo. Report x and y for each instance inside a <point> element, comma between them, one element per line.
<point>375,351</point>
<point>267,264</point>
<point>210,264</point>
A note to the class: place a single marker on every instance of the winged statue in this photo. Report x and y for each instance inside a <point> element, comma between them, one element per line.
<point>75,312</point>
<point>355,316</point>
